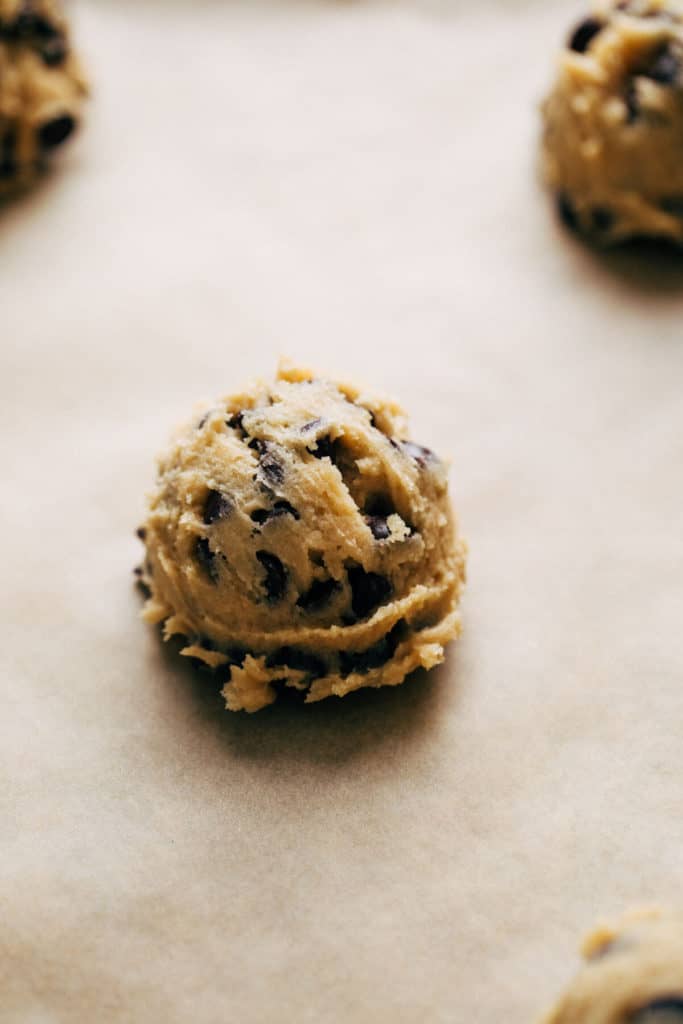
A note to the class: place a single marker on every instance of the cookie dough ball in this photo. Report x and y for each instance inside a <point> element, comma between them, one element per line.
<point>633,974</point>
<point>613,140</point>
<point>297,539</point>
<point>41,89</point>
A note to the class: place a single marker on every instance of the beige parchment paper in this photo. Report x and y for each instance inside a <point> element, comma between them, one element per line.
<point>350,183</point>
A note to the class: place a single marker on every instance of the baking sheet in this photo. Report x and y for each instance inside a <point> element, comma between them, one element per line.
<point>350,184</point>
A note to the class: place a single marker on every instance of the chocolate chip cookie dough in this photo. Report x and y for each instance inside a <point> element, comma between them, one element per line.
<point>612,148</point>
<point>298,540</point>
<point>633,974</point>
<point>41,89</point>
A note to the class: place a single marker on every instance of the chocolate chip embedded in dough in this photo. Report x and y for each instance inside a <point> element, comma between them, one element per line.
<point>206,558</point>
<point>324,449</point>
<point>275,581</point>
<point>632,102</point>
<point>31,22</point>
<point>664,1010</point>
<point>56,131</point>
<point>217,506</point>
<point>280,508</point>
<point>672,205</point>
<point>312,425</point>
<point>371,657</point>
<point>8,161</point>
<point>602,219</point>
<point>379,527</point>
<point>368,591</point>
<point>236,422</point>
<point>271,466</point>
<point>317,595</point>
<point>566,211</point>
<point>665,68</point>
<point>419,453</point>
<point>54,51</point>
<point>584,34</point>
<point>300,661</point>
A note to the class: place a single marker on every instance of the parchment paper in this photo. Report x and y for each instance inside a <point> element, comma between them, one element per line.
<point>351,184</point>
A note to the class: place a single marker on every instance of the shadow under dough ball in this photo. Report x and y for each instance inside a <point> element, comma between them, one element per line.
<point>299,542</point>
<point>632,974</point>
<point>42,89</point>
<point>612,145</point>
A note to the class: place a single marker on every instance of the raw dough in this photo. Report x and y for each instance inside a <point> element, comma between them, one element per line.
<point>41,88</point>
<point>613,140</point>
<point>633,974</point>
<point>296,539</point>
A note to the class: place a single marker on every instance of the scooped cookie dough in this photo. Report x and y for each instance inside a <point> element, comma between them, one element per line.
<point>41,89</point>
<point>612,148</point>
<point>633,974</point>
<point>298,540</point>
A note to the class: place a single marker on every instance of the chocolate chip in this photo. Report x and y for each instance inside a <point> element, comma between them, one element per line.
<point>23,22</point>
<point>8,163</point>
<point>217,506</point>
<point>8,169</point>
<point>141,532</point>
<point>368,591</point>
<point>672,205</point>
<point>379,527</point>
<point>566,211</point>
<point>300,661</point>
<point>378,505</point>
<point>372,657</point>
<point>665,67</point>
<point>275,581</point>
<point>280,508</point>
<point>205,643</point>
<point>54,51</point>
<point>283,507</point>
<point>584,34</point>
<point>30,22</point>
<point>602,219</point>
<point>141,582</point>
<point>661,1011</point>
<point>271,466</point>
<point>317,595</point>
<point>632,102</point>
<point>312,425</point>
<point>325,449</point>
<point>421,455</point>
<point>53,133</point>
<point>206,558</point>
<point>235,422</point>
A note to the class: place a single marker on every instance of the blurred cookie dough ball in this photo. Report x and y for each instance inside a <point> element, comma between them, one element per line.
<point>299,541</point>
<point>633,974</point>
<point>612,148</point>
<point>41,89</point>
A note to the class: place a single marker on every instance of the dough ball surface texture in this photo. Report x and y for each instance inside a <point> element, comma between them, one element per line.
<point>299,541</point>
<point>612,147</point>
<point>633,974</point>
<point>41,89</point>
